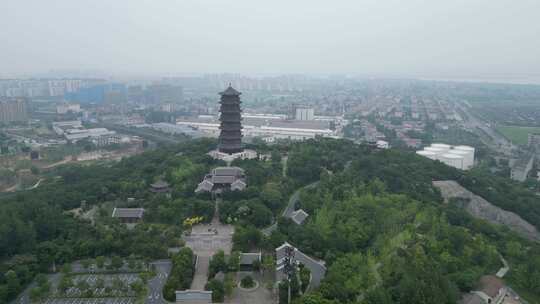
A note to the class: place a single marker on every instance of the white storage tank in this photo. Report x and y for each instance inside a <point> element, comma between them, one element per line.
<point>469,156</point>
<point>452,160</point>
<point>436,150</point>
<point>441,146</point>
<point>428,154</point>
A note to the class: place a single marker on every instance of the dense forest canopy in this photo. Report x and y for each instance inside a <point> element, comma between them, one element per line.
<point>375,218</point>
<point>386,234</point>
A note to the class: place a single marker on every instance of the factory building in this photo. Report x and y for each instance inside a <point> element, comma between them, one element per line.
<point>264,126</point>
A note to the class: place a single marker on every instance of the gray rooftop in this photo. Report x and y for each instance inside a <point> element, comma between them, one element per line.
<point>128,212</point>
<point>317,268</point>
<point>234,177</point>
<point>299,216</point>
<point>228,171</point>
<point>193,296</point>
<point>223,179</point>
<point>230,91</point>
<point>262,121</point>
<point>238,184</point>
<point>206,186</point>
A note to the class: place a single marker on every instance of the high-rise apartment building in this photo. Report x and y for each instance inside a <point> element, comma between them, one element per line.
<point>13,109</point>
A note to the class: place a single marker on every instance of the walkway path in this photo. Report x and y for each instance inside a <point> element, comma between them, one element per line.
<point>502,272</point>
<point>201,273</point>
<point>205,240</point>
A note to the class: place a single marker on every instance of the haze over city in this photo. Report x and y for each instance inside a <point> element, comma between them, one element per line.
<point>269,152</point>
<point>480,39</point>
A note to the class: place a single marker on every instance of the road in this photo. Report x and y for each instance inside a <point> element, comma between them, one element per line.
<point>497,143</point>
<point>155,285</point>
<point>295,197</point>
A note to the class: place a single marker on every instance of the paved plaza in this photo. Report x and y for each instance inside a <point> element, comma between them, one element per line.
<point>207,239</point>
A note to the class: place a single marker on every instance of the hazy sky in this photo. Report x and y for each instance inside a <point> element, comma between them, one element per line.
<point>430,38</point>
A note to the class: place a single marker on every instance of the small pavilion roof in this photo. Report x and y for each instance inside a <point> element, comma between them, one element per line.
<point>160,184</point>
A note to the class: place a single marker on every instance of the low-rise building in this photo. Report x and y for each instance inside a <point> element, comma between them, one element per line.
<point>128,215</point>
<point>317,268</point>
<point>194,296</point>
<point>489,290</point>
<point>248,258</point>
<point>520,170</point>
<point>65,108</point>
<point>299,216</point>
<point>223,178</point>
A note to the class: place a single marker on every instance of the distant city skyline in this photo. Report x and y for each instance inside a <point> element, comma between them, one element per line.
<point>457,40</point>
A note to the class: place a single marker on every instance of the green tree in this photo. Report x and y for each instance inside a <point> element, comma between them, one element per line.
<point>100,261</point>
<point>218,291</point>
<point>66,268</point>
<point>41,279</point>
<point>117,262</point>
<point>3,294</point>
<point>65,283</point>
<point>82,285</point>
<point>229,284</point>
<point>217,264</point>
<point>247,282</point>
<point>100,283</point>
<point>35,294</point>
<point>86,263</point>
<point>315,298</point>
<point>305,276</point>
<point>137,287</point>
<point>12,282</point>
<point>268,263</point>
<point>234,261</point>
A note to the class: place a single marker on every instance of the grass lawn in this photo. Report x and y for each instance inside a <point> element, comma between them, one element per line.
<point>518,135</point>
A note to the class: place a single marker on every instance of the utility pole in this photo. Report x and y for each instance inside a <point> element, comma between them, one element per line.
<point>289,269</point>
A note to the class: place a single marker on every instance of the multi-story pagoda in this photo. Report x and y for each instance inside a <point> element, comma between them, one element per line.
<point>230,137</point>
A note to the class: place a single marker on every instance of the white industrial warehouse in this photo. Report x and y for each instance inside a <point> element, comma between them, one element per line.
<point>271,127</point>
<point>461,157</point>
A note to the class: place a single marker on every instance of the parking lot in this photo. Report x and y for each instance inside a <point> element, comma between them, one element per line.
<point>91,279</point>
<point>108,278</point>
<point>89,301</point>
<point>73,295</point>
